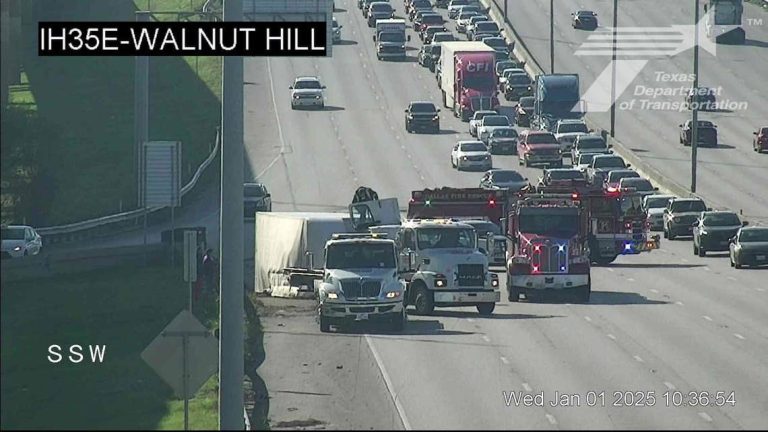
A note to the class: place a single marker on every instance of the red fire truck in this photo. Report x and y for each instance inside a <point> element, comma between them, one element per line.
<point>617,223</point>
<point>482,208</point>
<point>547,250</point>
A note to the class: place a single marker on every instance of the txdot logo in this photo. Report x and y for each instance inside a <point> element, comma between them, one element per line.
<point>635,47</point>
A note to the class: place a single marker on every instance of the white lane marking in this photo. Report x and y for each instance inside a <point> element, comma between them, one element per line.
<point>630,280</point>
<point>638,358</point>
<point>486,338</point>
<point>705,416</point>
<point>468,319</point>
<point>707,268</point>
<point>669,385</point>
<point>527,388</point>
<point>504,360</point>
<point>732,278</point>
<point>610,336</point>
<point>655,291</point>
<point>277,117</point>
<point>588,319</point>
<point>684,260</point>
<point>738,336</point>
<point>707,318</point>
<point>610,269</point>
<point>388,383</point>
<point>679,303</point>
<point>760,289</point>
<point>551,418</point>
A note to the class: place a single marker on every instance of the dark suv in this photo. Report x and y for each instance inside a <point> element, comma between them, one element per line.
<point>422,115</point>
<point>713,230</point>
<point>680,215</point>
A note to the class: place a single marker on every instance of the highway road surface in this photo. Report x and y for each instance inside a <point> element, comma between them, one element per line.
<point>665,322</point>
<point>731,175</point>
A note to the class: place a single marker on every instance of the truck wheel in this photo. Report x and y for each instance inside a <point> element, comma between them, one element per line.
<point>670,235</point>
<point>526,162</point>
<point>424,302</point>
<point>603,260</point>
<point>325,324</point>
<point>486,309</point>
<point>464,115</point>
<point>701,251</point>
<point>513,294</point>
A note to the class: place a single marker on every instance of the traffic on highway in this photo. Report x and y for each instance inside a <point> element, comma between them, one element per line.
<point>538,215</point>
<point>592,255</point>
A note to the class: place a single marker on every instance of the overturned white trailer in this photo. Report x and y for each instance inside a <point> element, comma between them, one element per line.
<point>290,246</point>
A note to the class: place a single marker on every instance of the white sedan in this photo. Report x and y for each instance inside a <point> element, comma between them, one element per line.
<point>307,91</point>
<point>471,154</point>
<point>19,241</point>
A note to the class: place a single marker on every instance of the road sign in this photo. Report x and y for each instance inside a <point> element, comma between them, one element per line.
<point>293,10</point>
<point>162,174</point>
<point>190,256</point>
<point>165,354</point>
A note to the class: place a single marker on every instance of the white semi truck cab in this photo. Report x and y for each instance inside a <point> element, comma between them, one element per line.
<point>442,266</point>
<point>360,282</point>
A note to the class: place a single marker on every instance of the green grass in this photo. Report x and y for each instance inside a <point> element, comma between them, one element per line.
<point>83,107</point>
<point>124,309</point>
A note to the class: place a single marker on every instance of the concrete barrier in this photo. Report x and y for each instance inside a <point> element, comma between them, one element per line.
<point>58,263</point>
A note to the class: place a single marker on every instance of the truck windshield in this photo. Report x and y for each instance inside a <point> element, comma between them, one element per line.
<point>392,37</point>
<point>360,255</point>
<point>632,205</point>
<point>558,223</point>
<point>727,12</point>
<point>445,238</point>
<point>381,7</point>
<point>484,227</point>
<point>479,82</point>
<point>543,138</point>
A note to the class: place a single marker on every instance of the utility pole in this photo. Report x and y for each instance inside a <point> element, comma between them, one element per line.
<point>231,351</point>
<point>552,36</point>
<point>140,113</point>
<point>695,97</point>
<point>613,69</point>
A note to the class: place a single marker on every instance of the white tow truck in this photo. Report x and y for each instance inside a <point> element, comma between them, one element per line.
<point>442,265</point>
<point>360,282</point>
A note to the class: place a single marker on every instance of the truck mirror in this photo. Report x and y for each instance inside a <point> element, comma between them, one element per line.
<point>411,259</point>
<point>408,38</point>
<point>629,165</point>
<point>744,223</point>
<point>374,38</point>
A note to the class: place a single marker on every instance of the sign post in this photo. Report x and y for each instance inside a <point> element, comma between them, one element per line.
<point>162,181</point>
<point>190,261</point>
<point>184,355</point>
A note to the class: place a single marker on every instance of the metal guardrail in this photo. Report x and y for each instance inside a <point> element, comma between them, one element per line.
<point>82,229</point>
<point>533,68</point>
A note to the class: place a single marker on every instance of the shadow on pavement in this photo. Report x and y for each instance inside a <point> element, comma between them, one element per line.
<point>495,315</point>
<point>332,108</point>
<point>757,43</point>
<point>254,357</point>
<point>621,298</point>
<point>346,42</point>
<point>642,266</point>
<point>414,327</point>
